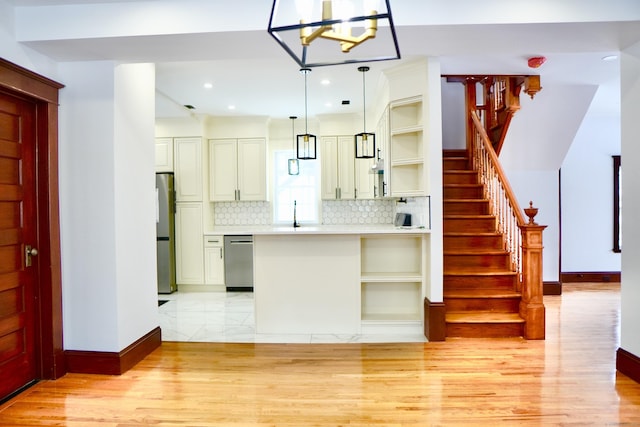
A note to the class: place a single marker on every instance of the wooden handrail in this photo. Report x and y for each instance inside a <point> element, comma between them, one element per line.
<point>496,164</point>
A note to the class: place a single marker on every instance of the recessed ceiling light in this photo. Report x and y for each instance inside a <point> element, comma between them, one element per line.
<point>327,104</point>
<point>231,107</point>
<point>208,85</point>
<point>325,82</point>
<point>610,58</point>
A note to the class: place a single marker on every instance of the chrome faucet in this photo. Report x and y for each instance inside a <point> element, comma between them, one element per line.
<point>295,221</point>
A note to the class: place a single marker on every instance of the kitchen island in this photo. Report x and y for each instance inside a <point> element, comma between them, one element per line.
<point>337,279</point>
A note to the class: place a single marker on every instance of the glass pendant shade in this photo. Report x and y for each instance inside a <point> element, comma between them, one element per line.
<point>306,147</point>
<point>365,141</point>
<point>293,165</point>
<point>365,145</point>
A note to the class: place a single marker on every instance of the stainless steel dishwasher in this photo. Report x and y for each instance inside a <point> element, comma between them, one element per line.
<point>238,263</point>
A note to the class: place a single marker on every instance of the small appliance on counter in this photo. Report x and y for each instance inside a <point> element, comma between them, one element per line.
<point>402,220</point>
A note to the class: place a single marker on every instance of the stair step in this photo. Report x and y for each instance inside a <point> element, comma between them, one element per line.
<point>481,293</point>
<point>473,261</point>
<point>454,152</point>
<point>465,280</point>
<point>494,300</point>
<point>468,223</point>
<point>462,191</point>
<point>465,206</point>
<point>484,325</point>
<point>455,163</point>
<point>482,317</point>
<point>460,177</point>
<point>473,241</point>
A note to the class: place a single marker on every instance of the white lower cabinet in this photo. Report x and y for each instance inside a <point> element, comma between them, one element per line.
<point>189,249</point>
<point>213,260</point>
<point>392,274</point>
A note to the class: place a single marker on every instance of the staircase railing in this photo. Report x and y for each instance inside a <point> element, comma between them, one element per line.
<point>523,240</point>
<point>503,203</point>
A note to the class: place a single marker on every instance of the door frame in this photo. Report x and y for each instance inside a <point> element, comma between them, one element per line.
<point>22,83</point>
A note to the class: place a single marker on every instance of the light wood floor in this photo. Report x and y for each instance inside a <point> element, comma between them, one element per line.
<point>568,379</point>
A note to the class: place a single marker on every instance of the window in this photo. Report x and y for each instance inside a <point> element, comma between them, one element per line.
<point>302,188</point>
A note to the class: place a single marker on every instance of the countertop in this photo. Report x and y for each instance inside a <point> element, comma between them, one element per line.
<point>315,229</point>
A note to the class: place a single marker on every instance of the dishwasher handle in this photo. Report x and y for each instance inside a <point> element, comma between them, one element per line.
<point>240,242</point>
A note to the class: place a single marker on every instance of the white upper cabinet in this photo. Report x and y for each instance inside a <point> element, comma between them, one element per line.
<point>237,169</point>
<point>364,179</point>
<point>164,154</point>
<point>337,167</point>
<point>188,169</point>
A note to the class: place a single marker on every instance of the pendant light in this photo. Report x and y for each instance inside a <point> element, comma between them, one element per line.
<point>293,164</point>
<point>306,144</point>
<point>365,141</point>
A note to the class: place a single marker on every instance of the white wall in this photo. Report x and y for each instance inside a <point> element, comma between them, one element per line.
<point>86,206</point>
<point>587,197</point>
<point>135,202</point>
<point>630,295</point>
<point>454,125</point>
<point>19,54</point>
<point>107,204</point>
<point>541,187</point>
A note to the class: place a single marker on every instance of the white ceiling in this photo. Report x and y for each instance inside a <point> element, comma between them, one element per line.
<point>249,70</point>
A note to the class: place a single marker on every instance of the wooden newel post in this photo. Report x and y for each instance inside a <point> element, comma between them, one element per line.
<point>532,306</point>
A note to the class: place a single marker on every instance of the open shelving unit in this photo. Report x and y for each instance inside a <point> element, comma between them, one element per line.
<point>391,278</point>
<point>407,147</point>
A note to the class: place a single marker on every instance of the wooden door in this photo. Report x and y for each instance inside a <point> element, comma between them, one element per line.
<point>17,230</point>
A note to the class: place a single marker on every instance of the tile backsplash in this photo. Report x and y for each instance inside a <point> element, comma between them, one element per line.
<point>334,212</point>
<point>242,213</point>
<point>338,212</point>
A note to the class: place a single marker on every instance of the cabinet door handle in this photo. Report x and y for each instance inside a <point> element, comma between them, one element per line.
<point>220,253</point>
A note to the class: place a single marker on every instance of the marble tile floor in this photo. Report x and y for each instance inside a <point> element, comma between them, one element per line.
<point>228,317</point>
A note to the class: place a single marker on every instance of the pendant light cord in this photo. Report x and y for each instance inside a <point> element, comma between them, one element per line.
<point>305,71</point>
<point>364,102</point>
<point>293,135</point>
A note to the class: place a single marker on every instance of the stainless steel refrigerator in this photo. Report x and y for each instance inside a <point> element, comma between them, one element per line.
<point>165,217</point>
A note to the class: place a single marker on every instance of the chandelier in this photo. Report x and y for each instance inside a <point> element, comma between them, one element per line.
<point>330,32</point>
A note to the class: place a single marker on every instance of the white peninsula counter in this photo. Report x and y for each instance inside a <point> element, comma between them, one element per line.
<point>337,279</point>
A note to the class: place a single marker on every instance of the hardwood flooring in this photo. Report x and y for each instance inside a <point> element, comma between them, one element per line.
<point>568,379</point>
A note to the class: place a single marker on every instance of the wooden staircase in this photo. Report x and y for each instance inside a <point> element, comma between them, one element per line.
<point>480,284</point>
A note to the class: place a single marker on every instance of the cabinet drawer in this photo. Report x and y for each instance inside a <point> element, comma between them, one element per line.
<point>213,241</point>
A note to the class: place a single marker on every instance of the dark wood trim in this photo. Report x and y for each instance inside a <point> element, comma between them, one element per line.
<point>551,288</point>
<point>628,364</point>
<point>590,276</point>
<point>111,363</point>
<point>617,164</point>
<point>17,79</point>
<point>20,82</point>
<point>435,327</point>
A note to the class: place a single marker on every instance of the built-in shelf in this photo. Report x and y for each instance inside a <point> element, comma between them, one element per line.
<point>391,278</point>
<point>407,148</point>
